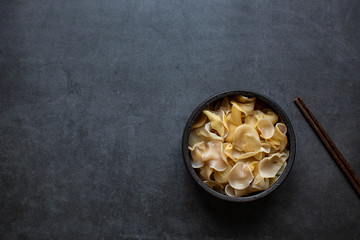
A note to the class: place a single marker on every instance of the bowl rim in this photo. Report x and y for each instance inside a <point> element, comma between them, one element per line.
<point>274,107</point>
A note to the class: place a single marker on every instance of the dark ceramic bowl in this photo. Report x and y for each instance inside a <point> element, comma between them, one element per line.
<point>269,104</point>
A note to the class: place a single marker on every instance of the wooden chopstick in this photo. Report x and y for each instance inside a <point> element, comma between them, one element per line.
<point>330,145</point>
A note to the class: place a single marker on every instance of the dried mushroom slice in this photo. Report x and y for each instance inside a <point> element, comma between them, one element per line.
<point>196,154</point>
<point>222,177</point>
<point>208,135</point>
<point>225,106</point>
<point>216,122</point>
<point>282,169</point>
<point>234,117</point>
<point>229,190</point>
<point>260,183</point>
<point>258,114</point>
<point>270,115</point>
<point>246,139</point>
<point>240,176</point>
<point>214,156</point>
<point>230,136</point>
<point>266,128</point>
<point>205,172</point>
<point>246,108</point>
<point>235,154</point>
<point>279,140</point>
<point>244,99</point>
<point>251,120</point>
<point>269,166</point>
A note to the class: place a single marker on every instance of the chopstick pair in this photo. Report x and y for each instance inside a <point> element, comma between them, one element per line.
<point>330,146</point>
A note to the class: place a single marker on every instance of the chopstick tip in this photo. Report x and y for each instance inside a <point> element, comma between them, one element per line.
<point>297,99</point>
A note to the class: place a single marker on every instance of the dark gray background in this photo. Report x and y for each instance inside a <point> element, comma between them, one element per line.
<point>95,95</point>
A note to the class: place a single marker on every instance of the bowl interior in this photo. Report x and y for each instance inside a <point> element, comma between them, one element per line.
<point>260,100</point>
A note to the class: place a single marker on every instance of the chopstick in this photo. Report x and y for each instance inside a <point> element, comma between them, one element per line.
<point>330,145</point>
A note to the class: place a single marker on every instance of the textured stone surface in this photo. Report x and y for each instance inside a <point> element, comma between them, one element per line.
<point>94,96</point>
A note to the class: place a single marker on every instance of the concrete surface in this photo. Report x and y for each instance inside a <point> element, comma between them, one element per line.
<point>94,96</point>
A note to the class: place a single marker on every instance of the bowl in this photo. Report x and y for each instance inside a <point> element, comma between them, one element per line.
<point>259,98</point>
